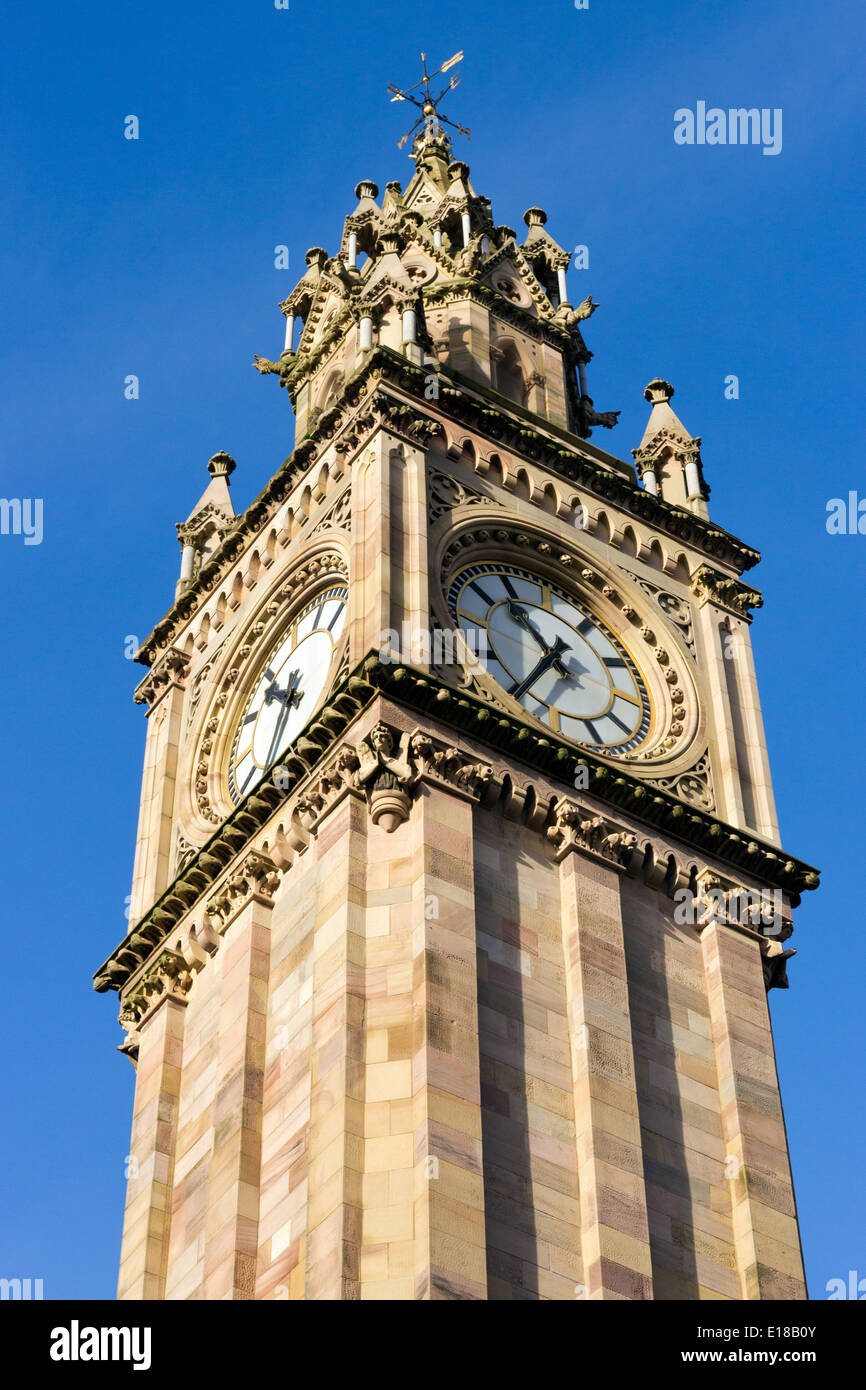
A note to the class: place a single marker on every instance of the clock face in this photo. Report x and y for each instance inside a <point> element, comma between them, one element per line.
<point>287,690</point>
<point>553,655</point>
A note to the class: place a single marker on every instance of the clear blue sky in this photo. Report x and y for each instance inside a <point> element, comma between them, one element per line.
<point>155,258</point>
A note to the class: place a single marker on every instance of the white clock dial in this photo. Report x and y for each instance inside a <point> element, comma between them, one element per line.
<point>287,690</point>
<point>553,655</point>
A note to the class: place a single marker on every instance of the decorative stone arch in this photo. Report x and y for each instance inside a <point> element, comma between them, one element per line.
<point>495,470</point>
<point>329,387</point>
<point>269,553</point>
<point>656,556</point>
<point>629,541</point>
<point>603,529</point>
<point>549,500</point>
<point>682,570</point>
<point>509,370</point>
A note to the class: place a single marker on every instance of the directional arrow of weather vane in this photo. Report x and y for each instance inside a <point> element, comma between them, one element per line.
<point>427,104</point>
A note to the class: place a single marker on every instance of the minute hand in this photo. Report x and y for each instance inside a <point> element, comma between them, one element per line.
<point>550,658</point>
<point>520,616</point>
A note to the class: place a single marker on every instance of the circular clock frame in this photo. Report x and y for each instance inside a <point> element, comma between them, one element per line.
<point>270,710</point>
<point>676,739</point>
<point>576,676</point>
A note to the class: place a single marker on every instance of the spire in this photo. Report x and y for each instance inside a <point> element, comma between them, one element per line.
<point>208,521</point>
<point>215,498</point>
<point>668,459</point>
<point>662,417</point>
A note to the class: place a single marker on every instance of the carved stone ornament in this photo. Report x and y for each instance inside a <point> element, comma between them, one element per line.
<point>694,785</point>
<point>257,876</point>
<point>385,768</point>
<point>444,493</point>
<point>169,977</point>
<point>710,586</point>
<point>171,669</point>
<point>576,828</point>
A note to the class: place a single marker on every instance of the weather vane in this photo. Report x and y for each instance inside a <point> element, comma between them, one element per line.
<point>430,117</point>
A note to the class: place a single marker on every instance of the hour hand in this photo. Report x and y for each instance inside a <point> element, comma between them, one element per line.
<point>550,658</point>
<point>290,697</point>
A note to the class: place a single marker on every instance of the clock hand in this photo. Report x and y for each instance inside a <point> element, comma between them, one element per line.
<point>550,658</point>
<point>289,698</point>
<point>521,617</point>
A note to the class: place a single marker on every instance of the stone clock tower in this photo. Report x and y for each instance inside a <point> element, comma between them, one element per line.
<point>458,887</point>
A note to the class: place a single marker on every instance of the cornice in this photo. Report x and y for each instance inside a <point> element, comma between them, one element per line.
<point>424,693</point>
<point>612,783</point>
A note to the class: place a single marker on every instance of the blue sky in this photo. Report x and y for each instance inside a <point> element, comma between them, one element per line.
<point>156,257</point>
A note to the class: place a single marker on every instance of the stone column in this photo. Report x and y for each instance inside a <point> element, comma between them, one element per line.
<point>370,615</point>
<point>753,744</point>
<point>764,1212</point>
<point>614,1224</point>
<point>163,688</point>
<point>714,661</point>
<point>147,1222</point>
<point>336,1138</point>
<point>243,911</point>
<point>450,1241</point>
<point>365,338</point>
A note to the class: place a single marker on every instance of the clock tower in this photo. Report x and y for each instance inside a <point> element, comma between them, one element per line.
<point>458,887</point>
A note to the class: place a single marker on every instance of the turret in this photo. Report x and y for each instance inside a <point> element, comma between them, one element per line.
<point>668,459</point>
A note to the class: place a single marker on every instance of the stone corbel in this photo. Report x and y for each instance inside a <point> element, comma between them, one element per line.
<point>322,796</point>
<point>170,670</point>
<point>169,977</point>
<point>754,912</point>
<point>255,879</point>
<point>446,763</point>
<point>577,828</point>
<point>709,585</point>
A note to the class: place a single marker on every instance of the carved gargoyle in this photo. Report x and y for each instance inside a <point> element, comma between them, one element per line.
<point>282,369</point>
<point>469,256</point>
<point>775,966</point>
<point>588,416</point>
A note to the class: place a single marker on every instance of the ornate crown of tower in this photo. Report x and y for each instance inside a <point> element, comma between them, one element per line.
<point>458,885</point>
